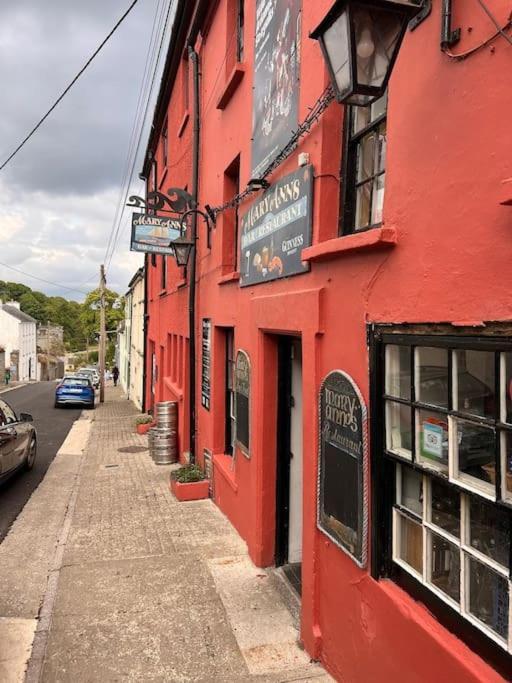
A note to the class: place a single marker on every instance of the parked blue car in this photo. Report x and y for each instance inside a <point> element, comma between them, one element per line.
<point>75,391</point>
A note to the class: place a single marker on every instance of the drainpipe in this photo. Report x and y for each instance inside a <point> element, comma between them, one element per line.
<point>145,333</point>
<point>194,59</point>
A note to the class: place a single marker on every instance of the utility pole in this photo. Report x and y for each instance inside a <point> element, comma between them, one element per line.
<point>103,334</point>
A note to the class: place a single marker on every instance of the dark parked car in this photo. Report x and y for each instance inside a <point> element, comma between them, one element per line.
<point>75,391</point>
<point>18,441</point>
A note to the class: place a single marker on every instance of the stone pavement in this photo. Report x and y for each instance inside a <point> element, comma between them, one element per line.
<point>140,587</point>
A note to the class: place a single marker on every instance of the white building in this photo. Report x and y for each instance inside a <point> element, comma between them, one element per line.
<point>18,336</point>
<point>130,341</point>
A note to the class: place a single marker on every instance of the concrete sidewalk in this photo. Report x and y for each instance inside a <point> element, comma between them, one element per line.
<point>138,586</point>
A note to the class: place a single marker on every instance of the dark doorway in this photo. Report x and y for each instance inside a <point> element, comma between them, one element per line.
<point>289,460</point>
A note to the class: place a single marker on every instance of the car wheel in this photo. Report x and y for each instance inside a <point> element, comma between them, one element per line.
<point>31,455</point>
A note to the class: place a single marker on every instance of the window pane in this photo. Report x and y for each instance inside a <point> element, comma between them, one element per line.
<point>475,382</point>
<point>363,201</point>
<point>488,597</point>
<point>366,157</point>
<point>337,46</point>
<point>432,439</point>
<point>411,543</point>
<point>475,445</point>
<point>506,465</point>
<point>378,198</point>
<point>489,530</point>
<point>412,490</point>
<point>445,566</point>
<point>398,371</point>
<point>506,388</point>
<point>432,376</point>
<point>398,429</point>
<point>363,116</point>
<point>445,507</point>
<point>380,151</point>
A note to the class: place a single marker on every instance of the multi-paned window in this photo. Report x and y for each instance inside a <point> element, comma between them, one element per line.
<point>447,414</point>
<point>364,166</point>
<point>240,20</point>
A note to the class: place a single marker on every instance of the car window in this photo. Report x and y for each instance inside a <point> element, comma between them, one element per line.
<point>8,414</point>
<point>82,382</point>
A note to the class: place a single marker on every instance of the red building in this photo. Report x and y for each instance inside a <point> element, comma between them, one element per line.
<point>353,348</point>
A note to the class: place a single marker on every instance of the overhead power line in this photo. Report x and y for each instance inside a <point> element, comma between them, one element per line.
<point>68,88</point>
<point>48,282</point>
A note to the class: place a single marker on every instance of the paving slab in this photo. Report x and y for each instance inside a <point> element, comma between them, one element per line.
<point>16,636</point>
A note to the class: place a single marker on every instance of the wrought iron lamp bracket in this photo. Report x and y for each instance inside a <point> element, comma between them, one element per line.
<point>178,201</point>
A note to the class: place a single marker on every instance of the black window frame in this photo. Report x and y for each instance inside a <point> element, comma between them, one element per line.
<point>348,196</point>
<point>240,21</point>
<point>229,391</point>
<point>383,467</point>
<point>163,273</point>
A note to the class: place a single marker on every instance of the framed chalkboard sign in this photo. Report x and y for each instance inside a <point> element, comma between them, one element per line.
<point>342,474</point>
<point>242,400</point>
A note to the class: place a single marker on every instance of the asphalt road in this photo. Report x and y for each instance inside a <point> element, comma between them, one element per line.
<point>53,425</point>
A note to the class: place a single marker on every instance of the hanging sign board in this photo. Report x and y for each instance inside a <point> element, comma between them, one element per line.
<point>152,234</point>
<point>206,363</point>
<point>342,487</point>
<point>276,79</point>
<point>242,403</point>
<point>276,229</point>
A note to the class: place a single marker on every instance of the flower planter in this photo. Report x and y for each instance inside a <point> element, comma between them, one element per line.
<point>193,490</point>
<point>144,428</point>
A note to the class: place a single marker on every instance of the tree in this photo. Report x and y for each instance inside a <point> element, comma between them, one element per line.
<point>90,313</point>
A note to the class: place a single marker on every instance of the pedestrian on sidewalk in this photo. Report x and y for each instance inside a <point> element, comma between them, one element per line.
<point>7,375</point>
<point>115,375</point>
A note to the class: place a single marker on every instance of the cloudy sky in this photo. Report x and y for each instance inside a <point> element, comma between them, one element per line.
<point>58,196</point>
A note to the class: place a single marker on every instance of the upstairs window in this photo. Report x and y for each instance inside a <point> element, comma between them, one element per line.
<point>231,218</point>
<point>240,31</point>
<point>234,34</point>
<point>364,169</point>
<point>446,488</point>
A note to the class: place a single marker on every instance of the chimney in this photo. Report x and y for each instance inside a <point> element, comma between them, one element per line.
<point>16,304</point>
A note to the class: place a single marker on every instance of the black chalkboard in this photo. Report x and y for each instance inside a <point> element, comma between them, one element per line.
<point>342,493</point>
<point>242,395</point>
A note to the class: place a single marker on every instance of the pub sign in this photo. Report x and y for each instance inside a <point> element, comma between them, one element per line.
<point>242,400</point>
<point>276,79</point>
<point>276,228</point>
<point>153,234</point>
<point>342,478</point>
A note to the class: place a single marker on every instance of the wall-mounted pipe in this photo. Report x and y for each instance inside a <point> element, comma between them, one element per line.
<point>449,36</point>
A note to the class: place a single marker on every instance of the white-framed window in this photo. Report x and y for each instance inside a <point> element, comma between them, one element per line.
<point>447,427</point>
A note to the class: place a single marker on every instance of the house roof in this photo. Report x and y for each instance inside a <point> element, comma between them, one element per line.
<point>19,315</point>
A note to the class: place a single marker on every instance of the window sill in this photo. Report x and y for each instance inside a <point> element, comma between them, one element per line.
<point>234,80</point>
<point>371,239</point>
<point>162,178</point>
<point>229,277</point>
<point>174,388</point>
<point>506,192</point>
<point>224,465</point>
<point>183,123</point>
<point>162,292</point>
<point>181,283</point>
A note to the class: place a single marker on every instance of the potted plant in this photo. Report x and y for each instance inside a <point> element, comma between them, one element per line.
<point>143,423</point>
<point>189,483</point>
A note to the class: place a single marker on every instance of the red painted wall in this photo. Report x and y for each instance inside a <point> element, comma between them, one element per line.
<point>445,255</point>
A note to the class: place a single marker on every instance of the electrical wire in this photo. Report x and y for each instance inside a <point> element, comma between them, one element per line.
<point>48,282</point>
<point>136,119</point>
<point>459,56</point>
<point>148,100</point>
<point>68,88</point>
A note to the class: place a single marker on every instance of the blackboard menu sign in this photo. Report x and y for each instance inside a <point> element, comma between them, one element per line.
<point>206,363</point>
<point>242,394</point>
<point>342,487</point>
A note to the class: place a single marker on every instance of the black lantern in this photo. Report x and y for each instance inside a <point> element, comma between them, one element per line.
<point>360,40</point>
<point>182,248</point>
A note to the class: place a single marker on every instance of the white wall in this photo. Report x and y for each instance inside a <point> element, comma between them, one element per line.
<point>19,336</point>
<point>137,343</point>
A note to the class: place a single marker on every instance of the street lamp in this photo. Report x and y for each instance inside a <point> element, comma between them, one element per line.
<point>181,248</point>
<point>360,40</point>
